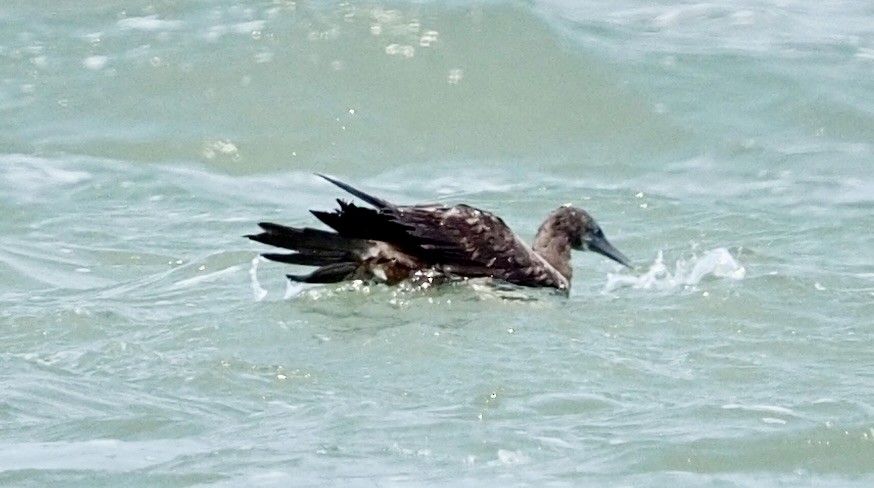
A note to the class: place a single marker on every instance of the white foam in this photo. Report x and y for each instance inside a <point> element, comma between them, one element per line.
<point>95,63</point>
<point>717,262</point>
<point>772,420</point>
<point>248,27</point>
<point>148,23</point>
<point>257,290</point>
<point>292,289</point>
<point>206,278</point>
<point>32,174</point>
<point>775,409</point>
<point>507,457</point>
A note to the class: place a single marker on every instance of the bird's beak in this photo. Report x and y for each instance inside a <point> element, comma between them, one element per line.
<point>601,246</point>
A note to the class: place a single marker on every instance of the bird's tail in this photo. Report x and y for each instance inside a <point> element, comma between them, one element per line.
<point>337,257</point>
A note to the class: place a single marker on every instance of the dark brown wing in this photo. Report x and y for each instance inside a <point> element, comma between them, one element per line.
<point>459,240</point>
<point>463,237</point>
<point>470,242</point>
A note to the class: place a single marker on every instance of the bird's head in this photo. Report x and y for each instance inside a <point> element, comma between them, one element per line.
<point>579,230</point>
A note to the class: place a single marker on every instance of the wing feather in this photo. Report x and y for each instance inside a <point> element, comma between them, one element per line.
<point>456,239</point>
<point>467,241</point>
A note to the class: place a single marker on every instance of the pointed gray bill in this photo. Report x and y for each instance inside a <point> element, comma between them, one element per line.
<point>600,245</point>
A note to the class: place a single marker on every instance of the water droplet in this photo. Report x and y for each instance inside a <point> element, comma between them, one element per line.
<point>455,76</point>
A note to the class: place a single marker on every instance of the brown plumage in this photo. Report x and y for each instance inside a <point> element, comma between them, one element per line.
<point>390,243</point>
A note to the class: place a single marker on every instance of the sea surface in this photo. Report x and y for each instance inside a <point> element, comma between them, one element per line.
<point>727,148</point>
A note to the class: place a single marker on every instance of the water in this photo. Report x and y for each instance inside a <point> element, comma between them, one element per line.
<point>727,150</point>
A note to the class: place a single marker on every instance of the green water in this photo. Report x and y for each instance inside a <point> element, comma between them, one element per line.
<point>726,150</point>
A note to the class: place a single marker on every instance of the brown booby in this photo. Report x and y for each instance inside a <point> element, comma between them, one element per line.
<point>390,243</point>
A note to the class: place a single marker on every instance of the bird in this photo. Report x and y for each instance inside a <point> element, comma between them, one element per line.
<point>388,243</point>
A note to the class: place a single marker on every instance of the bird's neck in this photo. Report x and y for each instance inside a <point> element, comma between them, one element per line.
<point>555,250</point>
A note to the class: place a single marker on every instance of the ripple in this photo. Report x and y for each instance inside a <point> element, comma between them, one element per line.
<point>95,455</point>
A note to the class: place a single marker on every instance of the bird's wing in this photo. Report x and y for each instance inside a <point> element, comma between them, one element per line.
<point>463,236</point>
<point>458,240</point>
<point>470,242</point>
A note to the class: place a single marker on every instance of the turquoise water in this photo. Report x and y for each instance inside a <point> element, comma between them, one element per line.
<point>727,150</point>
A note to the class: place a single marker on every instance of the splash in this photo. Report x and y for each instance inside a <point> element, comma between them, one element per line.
<point>717,262</point>
<point>257,290</point>
<point>292,289</point>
